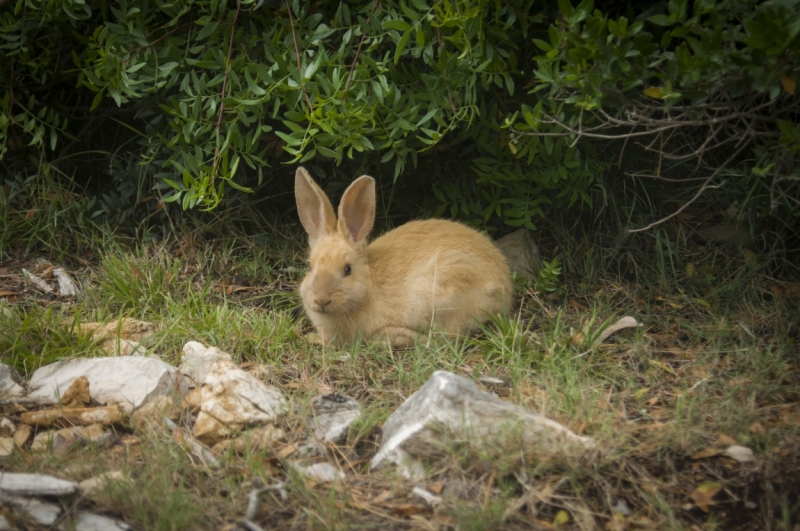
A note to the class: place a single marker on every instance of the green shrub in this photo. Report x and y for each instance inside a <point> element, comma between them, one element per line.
<point>492,108</point>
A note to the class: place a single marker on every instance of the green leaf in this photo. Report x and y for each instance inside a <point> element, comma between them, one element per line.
<point>661,20</point>
<point>397,24</point>
<point>401,45</point>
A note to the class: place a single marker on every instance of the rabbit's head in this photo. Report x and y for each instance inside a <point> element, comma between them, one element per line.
<point>339,281</point>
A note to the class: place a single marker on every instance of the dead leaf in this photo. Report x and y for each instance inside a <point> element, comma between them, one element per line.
<point>758,429</point>
<point>577,339</point>
<point>625,322</point>
<point>287,450</point>
<point>382,497</point>
<point>662,366</point>
<point>702,495</point>
<point>725,440</point>
<point>750,257</point>
<point>6,293</point>
<point>690,270</point>
<point>436,488</point>
<point>707,452</point>
<point>789,83</point>
<point>653,92</point>
<point>577,305</point>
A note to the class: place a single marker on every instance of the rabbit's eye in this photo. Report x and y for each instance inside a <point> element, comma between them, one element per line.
<point>346,269</point>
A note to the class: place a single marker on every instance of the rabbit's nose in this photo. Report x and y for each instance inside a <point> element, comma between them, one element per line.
<point>322,303</point>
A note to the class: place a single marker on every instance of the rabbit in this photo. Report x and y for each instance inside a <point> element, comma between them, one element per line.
<point>424,274</point>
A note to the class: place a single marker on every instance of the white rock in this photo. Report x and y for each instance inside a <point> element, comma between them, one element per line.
<point>86,521</point>
<point>128,381</point>
<point>332,415</point>
<point>66,286</point>
<point>43,513</point>
<point>235,398</point>
<point>91,485</point>
<point>197,360</point>
<point>324,471</point>
<point>740,453</point>
<point>7,426</point>
<point>430,499</point>
<point>456,406</point>
<point>6,446</point>
<point>13,483</point>
<point>9,383</point>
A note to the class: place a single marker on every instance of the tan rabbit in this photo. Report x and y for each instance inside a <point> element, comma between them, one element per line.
<point>423,274</point>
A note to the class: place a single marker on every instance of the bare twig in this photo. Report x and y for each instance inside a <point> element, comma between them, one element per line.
<point>297,56</point>
<point>224,86</point>
<point>358,52</point>
<point>706,186</point>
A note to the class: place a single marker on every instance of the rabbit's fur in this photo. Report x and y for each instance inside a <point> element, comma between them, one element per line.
<point>423,274</point>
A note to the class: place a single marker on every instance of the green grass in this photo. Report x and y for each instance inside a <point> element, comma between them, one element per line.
<point>716,356</point>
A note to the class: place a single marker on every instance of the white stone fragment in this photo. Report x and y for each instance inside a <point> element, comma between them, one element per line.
<point>740,453</point>
<point>66,286</point>
<point>36,281</point>
<point>128,381</point>
<point>86,521</point>
<point>323,471</point>
<point>9,383</point>
<point>43,513</point>
<point>6,446</point>
<point>430,499</point>
<point>454,406</point>
<point>332,415</point>
<point>19,484</point>
<point>93,484</point>
<point>197,361</point>
<point>7,426</point>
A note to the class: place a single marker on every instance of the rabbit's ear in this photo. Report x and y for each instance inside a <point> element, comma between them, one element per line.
<point>313,207</point>
<point>357,210</point>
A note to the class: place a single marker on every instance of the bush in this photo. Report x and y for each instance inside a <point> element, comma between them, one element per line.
<point>492,107</point>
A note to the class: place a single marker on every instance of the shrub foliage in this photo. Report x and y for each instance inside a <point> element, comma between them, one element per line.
<point>511,96</point>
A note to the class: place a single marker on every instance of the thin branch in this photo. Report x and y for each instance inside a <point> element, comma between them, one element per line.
<point>297,56</point>
<point>358,52</point>
<point>224,86</point>
<point>706,186</point>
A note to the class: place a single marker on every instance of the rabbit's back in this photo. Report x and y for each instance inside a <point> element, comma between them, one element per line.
<point>439,270</point>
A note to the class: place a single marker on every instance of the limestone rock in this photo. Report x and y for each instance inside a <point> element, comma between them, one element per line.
<point>63,439</point>
<point>128,381</point>
<point>522,253</point>
<point>17,484</point>
<point>10,383</point>
<point>43,513</point>
<point>74,416</point>
<point>324,471</point>
<point>152,414</point>
<point>22,435</point>
<point>331,417</point>
<point>7,427</point>
<point>450,406</point>
<point>86,521</point>
<point>121,337</point>
<point>253,440</point>
<point>210,430</point>
<point>96,483</point>
<point>6,446</point>
<point>77,394</point>
<point>197,361</point>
